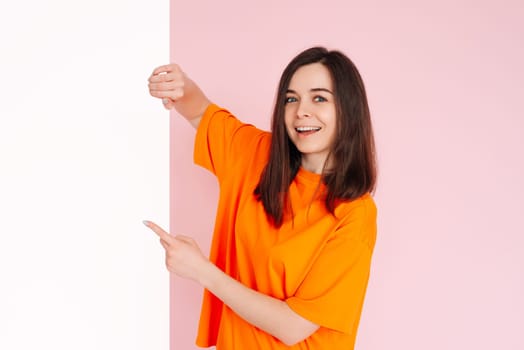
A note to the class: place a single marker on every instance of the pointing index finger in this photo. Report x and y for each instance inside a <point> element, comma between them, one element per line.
<point>159,231</point>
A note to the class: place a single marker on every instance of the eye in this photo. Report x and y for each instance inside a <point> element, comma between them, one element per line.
<point>290,99</point>
<point>319,99</point>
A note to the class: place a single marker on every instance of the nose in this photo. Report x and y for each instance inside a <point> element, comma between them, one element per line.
<point>303,110</point>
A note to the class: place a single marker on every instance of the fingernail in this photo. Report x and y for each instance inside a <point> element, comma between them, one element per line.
<point>145,222</point>
<point>165,101</point>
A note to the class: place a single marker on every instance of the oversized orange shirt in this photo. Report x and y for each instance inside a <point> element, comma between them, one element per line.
<point>316,262</point>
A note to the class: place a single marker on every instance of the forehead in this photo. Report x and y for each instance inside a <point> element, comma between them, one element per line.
<point>311,76</point>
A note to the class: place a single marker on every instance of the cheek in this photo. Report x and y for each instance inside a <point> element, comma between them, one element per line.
<point>332,124</point>
<point>288,119</point>
<point>332,118</point>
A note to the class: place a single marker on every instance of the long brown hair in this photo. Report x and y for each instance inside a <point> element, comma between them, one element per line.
<point>352,156</point>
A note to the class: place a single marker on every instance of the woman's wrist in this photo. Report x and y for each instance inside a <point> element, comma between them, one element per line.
<point>208,274</point>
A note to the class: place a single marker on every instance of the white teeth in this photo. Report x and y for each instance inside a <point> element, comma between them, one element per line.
<point>307,128</point>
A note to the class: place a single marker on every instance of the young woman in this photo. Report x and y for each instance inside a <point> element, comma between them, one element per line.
<point>296,223</point>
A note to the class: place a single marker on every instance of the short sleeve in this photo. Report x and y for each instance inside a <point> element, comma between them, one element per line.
<point>221,140</point>
<point>332,293</point>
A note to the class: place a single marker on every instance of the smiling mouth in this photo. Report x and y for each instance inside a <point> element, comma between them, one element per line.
<point>307,129</point>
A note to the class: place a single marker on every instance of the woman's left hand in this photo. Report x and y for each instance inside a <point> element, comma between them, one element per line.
<point>183,256</point>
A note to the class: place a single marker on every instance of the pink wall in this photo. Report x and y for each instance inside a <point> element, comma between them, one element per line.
<point>446,87</point>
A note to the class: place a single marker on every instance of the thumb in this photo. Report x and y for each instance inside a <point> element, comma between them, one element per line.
<point>185,239</point>
<point>168,103</point>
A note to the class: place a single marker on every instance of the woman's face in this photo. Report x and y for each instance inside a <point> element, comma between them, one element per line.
<point>310,114</point>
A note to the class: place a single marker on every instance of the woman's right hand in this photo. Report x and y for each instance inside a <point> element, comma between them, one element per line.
<point>176,90</point>
<point>167,83</point>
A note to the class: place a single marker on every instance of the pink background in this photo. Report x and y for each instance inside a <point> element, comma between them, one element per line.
<point>446,86</point>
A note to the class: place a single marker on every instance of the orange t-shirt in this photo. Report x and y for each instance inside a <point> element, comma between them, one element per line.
<point>317,263</point>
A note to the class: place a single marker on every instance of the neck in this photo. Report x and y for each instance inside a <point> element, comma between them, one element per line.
<point>314,164</point>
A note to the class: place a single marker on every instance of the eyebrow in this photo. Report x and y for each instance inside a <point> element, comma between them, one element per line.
<point>312,90</point>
